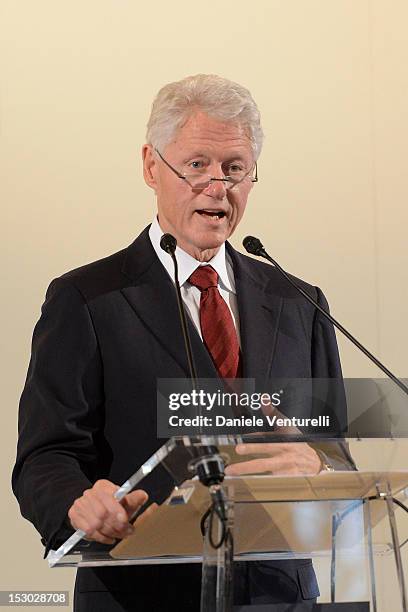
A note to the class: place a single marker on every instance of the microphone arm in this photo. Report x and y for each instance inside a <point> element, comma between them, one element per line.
<point>255,247</point>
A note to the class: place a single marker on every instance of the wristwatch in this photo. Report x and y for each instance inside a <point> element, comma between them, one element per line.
<point>326,466</point>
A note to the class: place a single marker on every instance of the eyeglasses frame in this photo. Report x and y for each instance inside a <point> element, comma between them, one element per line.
<point>254,179</point>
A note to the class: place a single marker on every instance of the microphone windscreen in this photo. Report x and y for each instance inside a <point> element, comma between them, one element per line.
<point>252,245</point>
<point>168,243</point>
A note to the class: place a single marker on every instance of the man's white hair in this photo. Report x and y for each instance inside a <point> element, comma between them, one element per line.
<point>217,97</point>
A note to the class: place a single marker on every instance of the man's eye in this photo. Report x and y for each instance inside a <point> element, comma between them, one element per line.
<point>234,169</point>
<point>196,165</point>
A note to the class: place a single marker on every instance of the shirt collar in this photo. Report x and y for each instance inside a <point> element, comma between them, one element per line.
<point>221,262</point>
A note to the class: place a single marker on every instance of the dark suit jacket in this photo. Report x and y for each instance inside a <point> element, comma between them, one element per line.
<point>107,331</point>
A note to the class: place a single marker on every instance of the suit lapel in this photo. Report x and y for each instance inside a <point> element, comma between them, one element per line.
<point>153,298</point>
<point>259,314</point>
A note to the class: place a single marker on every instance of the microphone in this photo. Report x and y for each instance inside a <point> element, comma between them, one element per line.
<point>255,247</point>
<point>168,243</point>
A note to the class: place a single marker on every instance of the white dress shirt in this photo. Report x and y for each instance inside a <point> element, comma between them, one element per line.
<point>191,295</point>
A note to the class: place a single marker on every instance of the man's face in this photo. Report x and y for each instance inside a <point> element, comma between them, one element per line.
<point>201,220</point>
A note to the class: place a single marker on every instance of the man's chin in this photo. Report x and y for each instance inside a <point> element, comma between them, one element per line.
<point>209,245</point>
<point>211,240</point>
<point>203,250</point>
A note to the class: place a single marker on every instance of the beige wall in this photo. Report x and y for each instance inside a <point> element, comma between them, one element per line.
<point>77,79</point>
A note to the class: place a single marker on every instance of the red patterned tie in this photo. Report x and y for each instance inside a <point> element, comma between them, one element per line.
<point>217,326</point>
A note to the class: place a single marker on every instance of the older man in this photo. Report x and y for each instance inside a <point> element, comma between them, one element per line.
<point>108,330</point>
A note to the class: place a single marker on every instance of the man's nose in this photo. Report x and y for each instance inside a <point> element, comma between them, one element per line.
<point>218,189</point>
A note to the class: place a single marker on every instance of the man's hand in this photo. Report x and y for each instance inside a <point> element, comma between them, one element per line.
<point>282,458</point>
<point>101,516</point>
<point>295,458</point>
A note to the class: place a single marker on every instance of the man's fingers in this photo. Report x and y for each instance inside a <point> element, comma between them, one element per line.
<point>105,490</point>
<point>100,505</point>
<point>110,529</point>
<point>97,536</point>
<point>272,448</point>
<point>256,466</point>
<point>101,531</point>
<point>287,459</point>
<point>132,502</point>
<point>90,525</point>
<point>102,517</point>
<point>281,464</point>
<point>120,512</point>
<point>92,517</point>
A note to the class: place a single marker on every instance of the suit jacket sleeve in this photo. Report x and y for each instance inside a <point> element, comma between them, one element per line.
<point>60,413</point>
<point>326,365</point>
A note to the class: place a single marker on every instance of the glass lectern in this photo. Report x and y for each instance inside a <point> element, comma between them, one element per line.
<point>343,519</point>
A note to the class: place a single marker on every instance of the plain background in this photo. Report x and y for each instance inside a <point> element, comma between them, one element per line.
<point>77,80</point>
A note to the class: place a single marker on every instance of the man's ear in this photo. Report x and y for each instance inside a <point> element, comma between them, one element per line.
<point>149,166</point>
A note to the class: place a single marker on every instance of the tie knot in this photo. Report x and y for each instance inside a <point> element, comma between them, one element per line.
<point>204,277</point>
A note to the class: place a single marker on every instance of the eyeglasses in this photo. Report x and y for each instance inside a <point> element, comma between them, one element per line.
<point>200,180</point>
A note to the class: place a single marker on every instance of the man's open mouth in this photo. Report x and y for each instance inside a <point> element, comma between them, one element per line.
<point>213,214</point>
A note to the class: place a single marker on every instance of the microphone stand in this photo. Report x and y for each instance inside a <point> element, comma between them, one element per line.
<point>255,247</point>
<point>210,466</point>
